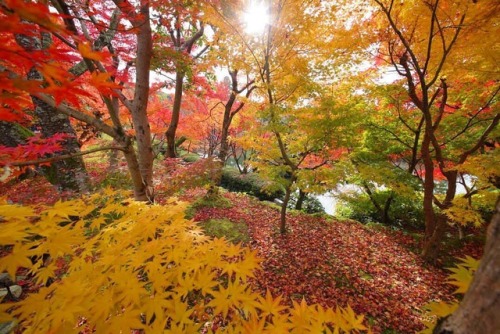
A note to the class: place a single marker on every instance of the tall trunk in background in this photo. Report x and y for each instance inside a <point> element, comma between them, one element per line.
<point>13,134</point>
<point>176,110</point>
<point>184,46</point>
<point>300,200</point>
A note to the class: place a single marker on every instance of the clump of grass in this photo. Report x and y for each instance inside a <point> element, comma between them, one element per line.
<point>213,199</point>
<point>234,232</point>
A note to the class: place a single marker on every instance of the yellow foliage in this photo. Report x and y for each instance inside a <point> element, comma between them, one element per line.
<point>129,265</point>
<point>461,277</point>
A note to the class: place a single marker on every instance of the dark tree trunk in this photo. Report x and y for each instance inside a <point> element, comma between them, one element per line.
<point>386,219</point>
<point>300,200</point>
<point>478,312</point>
<point>13,134</point>
<point>430,249</point>
<point>382,213</point>
<point>176,109</point>
<point>288,192</point>
<point>67,174</point>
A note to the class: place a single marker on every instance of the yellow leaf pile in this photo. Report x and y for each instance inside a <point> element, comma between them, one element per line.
<point>130,265</point>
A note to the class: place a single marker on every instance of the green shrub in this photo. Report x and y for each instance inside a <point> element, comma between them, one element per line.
<point>404,212</point>
<point>310,205</point>
<point>190,157</point>
<point>251,184</point>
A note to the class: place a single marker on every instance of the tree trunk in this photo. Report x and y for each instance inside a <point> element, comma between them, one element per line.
<point>140,104</point>
<point>67,174</point>
<point>176,109</point>
<point>432,244</point>
<point>429,251</point>
<point>288,192</point>
<point>386,219</point>
<point>300,200</point>
<point>13,134</point>
<point>224,144</point>
<point>478,312</point>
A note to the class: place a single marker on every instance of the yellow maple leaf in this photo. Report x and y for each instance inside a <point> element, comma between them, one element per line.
<point>64,209</point>
<point>463,274</point>
<point>270,305</point>
<point>14,232</point>
<point>8,211</point>
<point>353,320</point>
<point>19,257</point>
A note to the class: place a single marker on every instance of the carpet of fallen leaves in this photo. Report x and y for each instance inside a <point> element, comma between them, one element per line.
<point>320,259</point>
<point>337,263</point>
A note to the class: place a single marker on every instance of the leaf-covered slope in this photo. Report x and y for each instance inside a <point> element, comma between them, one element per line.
<point>335,263</point>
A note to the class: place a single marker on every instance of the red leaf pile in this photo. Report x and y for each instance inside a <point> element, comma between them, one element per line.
<point>337,263</point>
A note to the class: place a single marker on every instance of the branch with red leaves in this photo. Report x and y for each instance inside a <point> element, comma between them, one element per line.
<point>61,157</point>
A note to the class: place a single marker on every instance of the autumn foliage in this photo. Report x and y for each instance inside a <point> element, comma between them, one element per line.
<point>128,265</point>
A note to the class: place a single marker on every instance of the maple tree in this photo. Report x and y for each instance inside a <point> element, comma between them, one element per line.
<point>181,30</point>
<point>423,49</point>
<point>289,63</point>
<point>66,76</point>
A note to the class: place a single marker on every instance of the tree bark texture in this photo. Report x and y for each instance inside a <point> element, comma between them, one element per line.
<point>68,174</point>
<point>478,312</point>
<point>140,104</point>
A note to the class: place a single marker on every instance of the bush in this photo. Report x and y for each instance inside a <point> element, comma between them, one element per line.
<point>251,184</point>
<point>404,212</point>
<point>149,269</point>
<point>310,205</point>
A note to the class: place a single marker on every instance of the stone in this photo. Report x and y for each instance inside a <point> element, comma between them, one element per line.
<point>7,327</point>
<point>16,291</point>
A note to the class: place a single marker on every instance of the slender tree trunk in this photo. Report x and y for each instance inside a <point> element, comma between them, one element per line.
<point>224,144</point>
<point>478,311</point>
<point>176,109</point>
<point>386,219</point>
<point>288,191</point>
<point>382,213</point>
<point>300,199</point>
<point>113,159</point>
<point>429,252</point>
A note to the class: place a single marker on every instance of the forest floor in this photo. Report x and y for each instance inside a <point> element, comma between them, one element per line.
<point>321,259</point>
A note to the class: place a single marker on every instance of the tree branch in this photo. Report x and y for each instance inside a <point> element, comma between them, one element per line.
<point>61,157</point>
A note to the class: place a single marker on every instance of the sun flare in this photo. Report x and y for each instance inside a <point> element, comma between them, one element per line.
<point>256,18</point>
